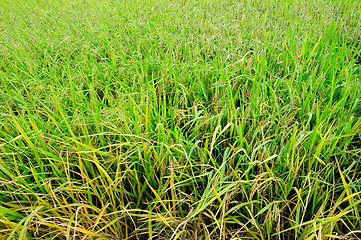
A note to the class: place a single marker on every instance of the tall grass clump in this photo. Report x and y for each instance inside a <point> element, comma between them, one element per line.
<point>180,119</point>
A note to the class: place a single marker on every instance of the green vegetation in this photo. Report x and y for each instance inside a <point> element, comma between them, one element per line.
<point>185,119</point>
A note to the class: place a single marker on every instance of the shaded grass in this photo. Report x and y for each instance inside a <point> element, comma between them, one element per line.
<point>179,120</point>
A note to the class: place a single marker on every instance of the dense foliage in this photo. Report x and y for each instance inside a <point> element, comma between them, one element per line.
<point>184,119</point>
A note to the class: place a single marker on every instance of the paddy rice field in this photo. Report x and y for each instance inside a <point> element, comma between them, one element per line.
<point>180,119</point>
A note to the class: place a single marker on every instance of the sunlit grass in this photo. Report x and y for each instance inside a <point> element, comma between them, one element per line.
<point>180,119</point>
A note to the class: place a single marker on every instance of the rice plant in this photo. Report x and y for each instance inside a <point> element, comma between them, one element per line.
<point>182,119</point>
